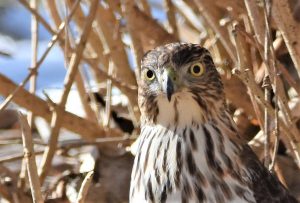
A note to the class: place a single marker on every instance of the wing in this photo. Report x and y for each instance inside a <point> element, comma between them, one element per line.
<point>266,186</point>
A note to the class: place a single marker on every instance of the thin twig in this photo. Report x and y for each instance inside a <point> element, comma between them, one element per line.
<point>22,174</point>
<point>94,45</point>
<point>85,187</point>
<point>72,11</point>
<point>212,16</point>
<point>113,42</point>
<point>136,44</point>
<point>190,16</point>
<point>146,7</point>
<point>267,120</point>
<point>267,83</point>
<point>108,97</point>
<point>247,77</point>
<point>289,28</point>
<point>98,142</point>
<point>244,63</point>
<point>282,69</point>
<point>34,50</point>
<point>127,89</point>
<point>171,15</point>
<point>16,157</point>
<point>72,122</point>
<point>270,61</point>
<point>72,70</point>
<point>32,70</point>
<point>283,100</point>
<point>66,145</point>
<point>255,13</point>
<point>30,161</point>
<point>38,16</point>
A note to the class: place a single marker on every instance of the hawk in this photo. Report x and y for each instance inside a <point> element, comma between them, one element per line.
<point>189,149</point>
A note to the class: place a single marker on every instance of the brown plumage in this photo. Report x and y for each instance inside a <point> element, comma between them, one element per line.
<point>189,149</point>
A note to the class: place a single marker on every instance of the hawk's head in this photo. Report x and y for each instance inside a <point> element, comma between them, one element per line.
<point>179,84</point>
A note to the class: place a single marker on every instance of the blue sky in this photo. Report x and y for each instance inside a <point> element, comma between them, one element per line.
<point>15,39</point>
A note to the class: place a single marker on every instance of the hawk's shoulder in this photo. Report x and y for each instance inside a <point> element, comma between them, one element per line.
<point>265,185</point>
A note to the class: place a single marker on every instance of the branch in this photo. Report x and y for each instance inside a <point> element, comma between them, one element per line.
<point>279,87</point>
<point>149,39</point>
<point>85,187</point>
<point>15,157</point>
<point>105,20</point>
<point>135,37</point>
<point>55,15</point>
<point>38,16</point>
<point>87,129</point>
<point>34,69</point>
<point>30,161</point>
<point>145,7</point>
<point>34,50</point>
<point>170,10</point>
<point>212,15</point>
<point>234,85</point>
<point>255,15</point>
<point>70,76</point>
<point>247,77</point>
<point>237,7</point>
<point>112,38</point>
<point>94,44</point>
<point>289,29</point>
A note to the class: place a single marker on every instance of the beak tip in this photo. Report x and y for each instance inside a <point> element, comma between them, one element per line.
<point>168,87</point>
<point>169,96</point>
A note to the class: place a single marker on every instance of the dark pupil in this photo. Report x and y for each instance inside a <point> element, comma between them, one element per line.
<point>149,74</point>
<point>196,69</point>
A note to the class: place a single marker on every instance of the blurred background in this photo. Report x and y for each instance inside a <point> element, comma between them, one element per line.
<point>71,69</point>
<point>15,44</point>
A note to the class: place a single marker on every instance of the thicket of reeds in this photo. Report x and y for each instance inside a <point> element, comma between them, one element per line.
<point>255,45</point>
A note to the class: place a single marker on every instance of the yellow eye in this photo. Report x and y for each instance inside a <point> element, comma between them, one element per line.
<point>197,69</point>
<point>149,75</point>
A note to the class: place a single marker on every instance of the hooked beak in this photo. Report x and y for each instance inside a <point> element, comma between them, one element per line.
<point>168,84</point>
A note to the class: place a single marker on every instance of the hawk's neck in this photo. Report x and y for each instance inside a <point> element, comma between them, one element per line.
<point>198,161</point>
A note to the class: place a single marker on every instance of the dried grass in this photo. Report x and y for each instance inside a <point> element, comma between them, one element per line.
<point>240,35</point>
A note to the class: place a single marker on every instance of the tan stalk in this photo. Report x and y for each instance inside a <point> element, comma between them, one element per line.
<point>71,73</point>
<point>30,161</point>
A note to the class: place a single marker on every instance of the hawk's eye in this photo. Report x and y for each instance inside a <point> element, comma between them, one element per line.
<point>149,75</point>
<point>197,69</point>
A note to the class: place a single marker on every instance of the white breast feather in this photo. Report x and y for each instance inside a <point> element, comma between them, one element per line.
<point>188,111</point>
